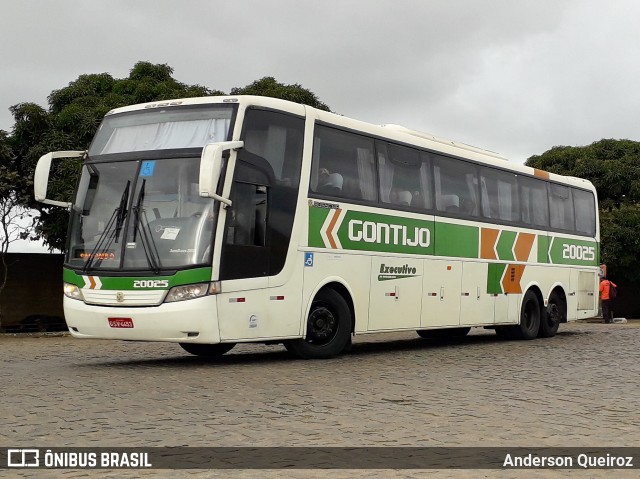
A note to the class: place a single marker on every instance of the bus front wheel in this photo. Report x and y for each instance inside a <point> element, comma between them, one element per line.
<point>207,350</point>
<point>328,328</point>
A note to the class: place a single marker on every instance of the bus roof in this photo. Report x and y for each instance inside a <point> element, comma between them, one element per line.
<point>389,131</point>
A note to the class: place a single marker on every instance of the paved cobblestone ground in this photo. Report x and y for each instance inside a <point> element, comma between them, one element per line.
<point>577,389</point>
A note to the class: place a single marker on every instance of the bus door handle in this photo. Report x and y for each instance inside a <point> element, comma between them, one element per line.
<point>478,292</point>
<point>441,293</point>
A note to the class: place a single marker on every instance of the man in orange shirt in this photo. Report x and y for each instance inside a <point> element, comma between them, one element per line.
<point>605,295</point>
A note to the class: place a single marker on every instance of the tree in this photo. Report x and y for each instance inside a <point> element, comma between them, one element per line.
<point>75,112</point>
<point>268,86</point>
<point>14,190</point>
<point>613,166</point>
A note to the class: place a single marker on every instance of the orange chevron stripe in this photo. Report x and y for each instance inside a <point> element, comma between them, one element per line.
<point>332,225</point>
<point>92,282</point>
<point>488,238</point>
<point>512,277</point>
<point>541,174</point>
<point>523,246</point>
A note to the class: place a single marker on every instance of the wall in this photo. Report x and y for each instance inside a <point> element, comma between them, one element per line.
<point>627,304</point>
<point>32,298</point>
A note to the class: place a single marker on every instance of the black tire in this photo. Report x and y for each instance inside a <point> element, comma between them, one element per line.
<point>207,350</point>
<point>530,318</point>
<point>443,333</point>
<point>556,313</point>
<point>328,328</point>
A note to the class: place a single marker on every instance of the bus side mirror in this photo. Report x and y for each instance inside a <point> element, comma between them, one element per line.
<point>41,176</point>
<point>211,168</point>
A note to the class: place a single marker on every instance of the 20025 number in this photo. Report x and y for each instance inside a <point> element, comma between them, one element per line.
<point>583,253</point>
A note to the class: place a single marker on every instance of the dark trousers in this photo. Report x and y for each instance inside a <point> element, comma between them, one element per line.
<point>607,313</point>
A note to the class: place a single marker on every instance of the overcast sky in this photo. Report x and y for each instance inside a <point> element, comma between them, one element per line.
<point>514,77</point>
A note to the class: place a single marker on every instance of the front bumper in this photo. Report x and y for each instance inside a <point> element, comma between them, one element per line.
<point>193,320</point>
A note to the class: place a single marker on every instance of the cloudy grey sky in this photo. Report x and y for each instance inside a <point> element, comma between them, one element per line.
<point>515,77</point>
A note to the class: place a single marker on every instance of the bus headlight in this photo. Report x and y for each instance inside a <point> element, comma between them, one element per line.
<point>72,291</point>
<point>189,291</point>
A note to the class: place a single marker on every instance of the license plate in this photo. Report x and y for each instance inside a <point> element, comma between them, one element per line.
<point>121,322</point>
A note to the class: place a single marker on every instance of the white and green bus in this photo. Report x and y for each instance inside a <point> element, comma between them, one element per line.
<point>214,221</point>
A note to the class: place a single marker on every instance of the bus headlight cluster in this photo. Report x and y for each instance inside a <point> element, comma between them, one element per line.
<point>189,291</point>
<point>72,291</point>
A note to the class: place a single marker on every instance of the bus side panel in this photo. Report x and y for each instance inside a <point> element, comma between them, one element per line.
<point>477,306</point>
<point>396,293</point>
<point>441,292</point>
<point>350,270</point>
<point>547,278</point>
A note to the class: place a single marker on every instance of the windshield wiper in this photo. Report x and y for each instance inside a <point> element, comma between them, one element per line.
<point>146,236</point>
<point>110,234</point>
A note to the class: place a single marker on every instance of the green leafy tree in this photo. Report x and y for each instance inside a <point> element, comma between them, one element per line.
<point>613,166</point>
<point>268,86</point>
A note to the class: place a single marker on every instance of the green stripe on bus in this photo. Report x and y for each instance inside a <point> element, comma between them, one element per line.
<point>360,231</point>
<point>457,240</point>
<point>495,272</point>
<point>189,276</point>
<point>373,232</point>
<point>317,217</point>
<point>543,249</point>
<point>573,251</point>
<point>504,248</point>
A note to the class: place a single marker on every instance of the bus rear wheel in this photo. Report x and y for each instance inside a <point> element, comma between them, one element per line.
<point>530,319</point>
<point>556,314</point>
<point>328,328</point>
<point>207,350</point>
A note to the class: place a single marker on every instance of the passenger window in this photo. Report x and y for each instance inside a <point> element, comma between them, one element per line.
<point>405,176</point>
<point>456,187</point>
<point>534,201</point>
<point>499,193</point>
<point>276,139</point>
<point>561,206</point>
<point>343,165</point>
<point>585,211</point>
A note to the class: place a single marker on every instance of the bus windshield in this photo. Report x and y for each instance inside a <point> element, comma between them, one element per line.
<point>138,215</point>
<point>141,209</point>
<point>144,214</point>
